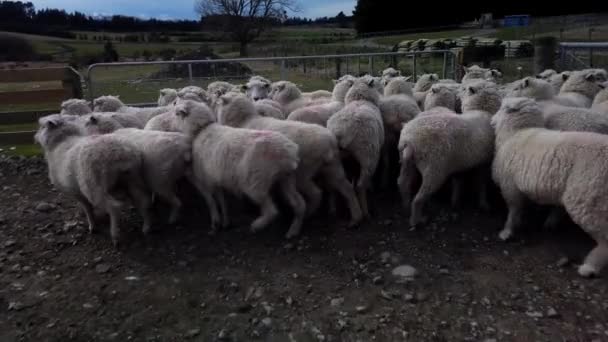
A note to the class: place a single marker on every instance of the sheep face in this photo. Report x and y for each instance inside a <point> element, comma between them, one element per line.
<point>535,88</point>
<point>440,96</point>
<point>493,75</point>
<point>363,90</point>
<point>398,85</point>
<point>545,75</point>
<point>517,113</point>
<point>257,90</point>
<point>107,104</point>
<point>341,88</point>
<point>583,82</point>
<point>100,124</point>
<point>284,91</point>
<point>194,93</point>
<point>54,129</point>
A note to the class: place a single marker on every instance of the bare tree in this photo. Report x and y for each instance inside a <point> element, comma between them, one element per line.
<point>245,19</point>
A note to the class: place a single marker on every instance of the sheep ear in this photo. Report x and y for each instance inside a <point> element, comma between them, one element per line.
<point>471,90</point>
<point>408,78</point>
<point>565,77</point>
<point>466,69</point>
<point>93,119</point>
<point>434,90</point>
<point>539,76</point>
<point>244,87</point>
<point>601,85</point>
<point>371,82</point>
<point>335,82</point>
<point>526,82</point>
<point>590,77</point>
<point>266,85</point>
<point>52,124</point>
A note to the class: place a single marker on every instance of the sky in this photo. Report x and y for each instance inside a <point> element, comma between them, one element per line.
<point>181,9</point>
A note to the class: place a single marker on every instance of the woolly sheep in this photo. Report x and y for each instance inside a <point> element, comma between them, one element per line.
<point>574,119</point>
<point>167,97</point>
<point>601,75</point>
<point>289,96</point>
<point>546,74</point>
<point>474,72</point>
<point>440,145</point>
<point>398,86</point>
<point>600,102</point>
<point>94,169</point>
<point>481,95</point>
<point>166,122</point>
<point>318,96</point>
<point>98,123</point>
<point>257,88</point>
<point>422,86</point>
<point>319,114</point>
<point>377,82</point>
<point>567,169</point>
<point>318,150</point>
<point>388,74</point>
<point>114,104</point>
<point>359,129</point>
<point>244,162</point>
<point>166,156</point>
<point>534,88</point>
<point>219,88</point>
<point>581,87</point>
<point>441,95</point>
<point>269,108</point>
<point>76,107</point>
<point>558,80</point>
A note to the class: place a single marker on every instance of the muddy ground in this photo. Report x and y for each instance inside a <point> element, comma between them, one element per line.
<point>58,283</point>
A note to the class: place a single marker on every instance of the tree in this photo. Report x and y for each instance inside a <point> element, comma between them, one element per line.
<point>245,20</point>
<point>109,53</point>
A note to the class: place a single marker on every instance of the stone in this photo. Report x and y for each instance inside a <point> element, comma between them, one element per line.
<point>44,207</point>
<point>552,313</point>
<point>404,272</point>
<point>337,301</point>
<point>192,332</point>
<point>102,268</point>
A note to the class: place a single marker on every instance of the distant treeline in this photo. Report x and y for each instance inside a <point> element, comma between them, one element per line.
<point>389,15</point>
<point>20,16</point>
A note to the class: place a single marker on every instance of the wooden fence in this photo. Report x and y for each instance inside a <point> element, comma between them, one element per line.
<point>71,87</point>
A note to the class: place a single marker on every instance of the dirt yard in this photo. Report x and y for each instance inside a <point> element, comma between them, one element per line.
<point>58,283</point>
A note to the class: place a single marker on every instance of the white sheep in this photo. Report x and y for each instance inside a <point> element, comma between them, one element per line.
<point>600,102</point>
<point>442,144</point>
<point>576,119</point>
<point>422,86</point>
<point>398,86</point>
<point>376,81</point>
<point>388,74</point>
<point>166,122</point>
<point>76,107</point>
<point>546,74</point>
<point>98,123</point>
<point>219,88</point>
<point>114,104</point>
<point>270,108</point>
<point>442,95</point>
<point>580,88</point>
<point>244,162</point>
<point>534,88</point>
<point>475,72</point>
<point>359,129</point>
<point>166,157</point>
<point>567,169</point>
<point>318,150</point>
<point>257,88</point>
<point>167,97</point>
<point>319,114</point>
<point>96,170</point>
<point>557,80</point>
<point>289,96</point>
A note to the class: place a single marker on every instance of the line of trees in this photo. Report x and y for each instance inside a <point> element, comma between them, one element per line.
<point>20,16</point>
<point>388,15</point>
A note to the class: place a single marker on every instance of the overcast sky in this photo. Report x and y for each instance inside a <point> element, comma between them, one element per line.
<point>180,9</point>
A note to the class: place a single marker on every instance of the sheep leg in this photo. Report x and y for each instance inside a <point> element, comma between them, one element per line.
<point>456,192</point>
<point>223,209</point>
<point>386,169</point>
<point>431,182</point>
<point>513,220</point>
<point>556,215</point>
<point>143,202</point>
<point>335,177</point>
<point>361,189</point>
<point>295,200</point>
<point>407,177</point>
<point>312,193</point>
<point>176,204</point>
<point>484,203</point>
<point>208,197</point>
<point>113,208</point>
<point>268,212</point>
<point>596,259</point>
<point>89,211</point>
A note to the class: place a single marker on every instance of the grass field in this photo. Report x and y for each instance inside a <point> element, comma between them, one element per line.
<point>21,150</point>
<point>393,40</point>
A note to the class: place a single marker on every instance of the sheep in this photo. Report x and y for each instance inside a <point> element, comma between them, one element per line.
<point>600,102</point>
<point>388,74</point>
<point>166,122</point>
<point>441,95</point>
<point>474,72</point>
<point>257,88</point>
<point>565,169</point>
<point>220,88</point>
<point>577,119</point>
<point>166,157</point>
<point>534,88</point>
<point>289,96</point>
<point>442,144</point>
<point>114,104</point>
<point>581,88</point>
<point>376,81</point>
<point>359,129</point>
<point>493,75</point>
<point>76,107</point>
<point>269,108</point>
<point>194,93</point>
<point>601,75</point>
<point>481,95</point>
<point>98,123</point>
<point>558,80</point>
<point>318,96</point>
<point>319,114</point>
<point>398,86</point>
<point>318,150</point>
<point>96,170</point>
<point>546,74</point>
<point>422,86</point>
<point>167,97</point>
<point>244,162</point>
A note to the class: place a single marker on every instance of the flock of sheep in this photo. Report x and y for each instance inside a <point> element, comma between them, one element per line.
<point>543,137</point>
